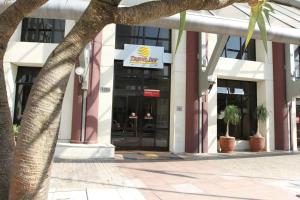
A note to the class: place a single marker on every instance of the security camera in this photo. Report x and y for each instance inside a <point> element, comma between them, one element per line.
<point>79,71</point>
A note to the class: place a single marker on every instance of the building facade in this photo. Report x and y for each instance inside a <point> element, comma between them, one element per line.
<point>116,106</point>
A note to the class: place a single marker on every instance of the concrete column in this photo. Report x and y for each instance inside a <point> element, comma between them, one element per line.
<point>106,81</point>
<point>280,104</point>
<point>91,129</point>
<point>204,124</point>
<point>192,96</point>
<point>177,107</point>
<point>293,124</point>
<point>212,136</point>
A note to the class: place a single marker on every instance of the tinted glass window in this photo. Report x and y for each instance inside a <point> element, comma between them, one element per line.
<point>143,36</point>
<point>26,76</point>
<point>43,30</point>
<point>235,48</point>
<point>243,95</point>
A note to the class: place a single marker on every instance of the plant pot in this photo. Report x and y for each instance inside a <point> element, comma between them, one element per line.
<point>257,144</point>
<point>227,144</point>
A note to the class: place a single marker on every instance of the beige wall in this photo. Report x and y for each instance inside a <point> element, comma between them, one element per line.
<point>33,54</point>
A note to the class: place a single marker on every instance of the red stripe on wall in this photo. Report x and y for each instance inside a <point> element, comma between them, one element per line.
<point>280,104</point>
<point>192,96</point>
<point>91,130</point>
<point>77,111</point>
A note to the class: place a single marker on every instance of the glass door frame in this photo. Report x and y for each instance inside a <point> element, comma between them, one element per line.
<point>141,99</point>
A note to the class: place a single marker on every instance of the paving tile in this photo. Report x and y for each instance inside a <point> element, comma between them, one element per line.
<point>187,188</point>
<point>70,195</point>
<point>110,194</point>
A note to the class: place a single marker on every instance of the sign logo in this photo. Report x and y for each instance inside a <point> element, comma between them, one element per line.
<point>144,51</point>
<point>143,56</point>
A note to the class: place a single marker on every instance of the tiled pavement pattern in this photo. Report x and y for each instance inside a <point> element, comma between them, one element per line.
<point>152,175</point>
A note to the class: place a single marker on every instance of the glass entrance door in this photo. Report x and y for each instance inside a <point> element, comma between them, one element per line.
<point>140,109</point>
<point>133,126</point>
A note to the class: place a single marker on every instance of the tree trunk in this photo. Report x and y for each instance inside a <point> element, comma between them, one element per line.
<point>257,134</point>
<point>6,137</point>
<point>9,20</point>
<point>40,123</point>
<point>227,130</point>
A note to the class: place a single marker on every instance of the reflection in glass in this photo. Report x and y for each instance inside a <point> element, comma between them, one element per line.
<point>43,30</point>
<point>143,36</point>
<point>243,95</point>
<point>235,48</point>
<point>150,128</point>
<point>25,78</point>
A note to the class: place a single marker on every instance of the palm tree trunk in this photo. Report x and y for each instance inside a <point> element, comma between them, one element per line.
<point>6,137</point>
<point>227,130</point>
<point>257,134</point>
<point>9,20</point>
<point>40,123</point>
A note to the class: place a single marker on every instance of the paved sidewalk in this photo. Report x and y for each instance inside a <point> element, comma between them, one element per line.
<point>151,175</point>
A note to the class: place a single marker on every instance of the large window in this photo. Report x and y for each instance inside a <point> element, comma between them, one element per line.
<point>243,95</point>
<point>235,48</point>
<point>143,36</point>
<point>25,78</point>
<point>43,30</point>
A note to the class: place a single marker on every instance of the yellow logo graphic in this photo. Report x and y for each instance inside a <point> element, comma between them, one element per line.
<point>144,51</point>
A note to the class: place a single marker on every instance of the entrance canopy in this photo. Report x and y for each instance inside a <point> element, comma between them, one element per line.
<point>231,20</point>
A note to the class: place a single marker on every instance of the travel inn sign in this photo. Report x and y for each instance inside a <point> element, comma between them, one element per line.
<point>143,56</point>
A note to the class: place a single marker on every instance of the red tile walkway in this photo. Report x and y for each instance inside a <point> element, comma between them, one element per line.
<point>169,177</point>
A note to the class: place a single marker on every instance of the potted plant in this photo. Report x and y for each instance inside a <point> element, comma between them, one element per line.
<point>257,141</point>
<point>16,131</point>
<point>231,116</point>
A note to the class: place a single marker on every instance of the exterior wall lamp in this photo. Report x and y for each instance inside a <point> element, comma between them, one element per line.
<point>82,72</point>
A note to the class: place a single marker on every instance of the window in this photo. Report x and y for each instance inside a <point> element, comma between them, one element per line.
<point>235,48</point>
<point>25,78</point>
<point>243,95</point>
<point>43,30</point>
<point>143,36</point>
<point>297,63</point>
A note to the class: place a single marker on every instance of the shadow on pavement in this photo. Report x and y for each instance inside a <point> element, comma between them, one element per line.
<point>136,156</point>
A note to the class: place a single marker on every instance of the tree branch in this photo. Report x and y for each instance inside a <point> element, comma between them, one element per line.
<point>156,9</point>
<point>12,16</point>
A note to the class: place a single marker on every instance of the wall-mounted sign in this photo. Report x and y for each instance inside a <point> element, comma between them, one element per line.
<point>179,108</point>
<point>151,93</point>
<point>143,56</point>
<point>105,89</point>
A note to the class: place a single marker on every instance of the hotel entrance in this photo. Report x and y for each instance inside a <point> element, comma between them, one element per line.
<point>141,108</point>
